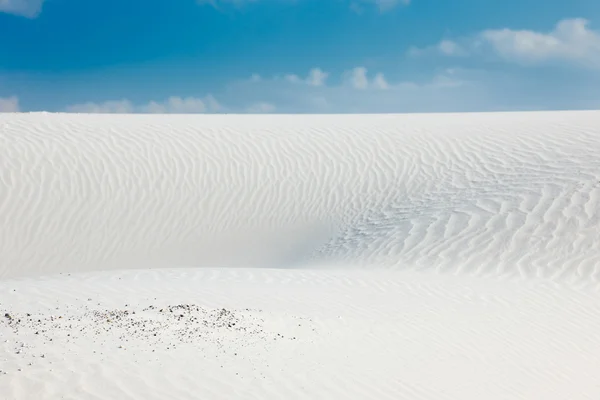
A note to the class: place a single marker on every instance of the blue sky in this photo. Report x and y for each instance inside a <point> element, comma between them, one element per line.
<point>299,56</point>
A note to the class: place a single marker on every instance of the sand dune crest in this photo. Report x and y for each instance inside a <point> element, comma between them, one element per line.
<point>514,194</point>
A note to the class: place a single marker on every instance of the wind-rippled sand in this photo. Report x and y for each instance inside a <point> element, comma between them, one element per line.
<point>306,257</point>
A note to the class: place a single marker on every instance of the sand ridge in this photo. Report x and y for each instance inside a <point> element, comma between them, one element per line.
<point>444,192</point>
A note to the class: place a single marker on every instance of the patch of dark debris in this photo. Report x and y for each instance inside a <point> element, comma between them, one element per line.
<point>185,322</point>
<point>162,328</point>
<point>142,332</point>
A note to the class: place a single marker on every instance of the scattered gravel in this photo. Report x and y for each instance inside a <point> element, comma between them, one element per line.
<point>146,329</point>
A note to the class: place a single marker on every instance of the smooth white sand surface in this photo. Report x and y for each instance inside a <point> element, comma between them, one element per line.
<point>306,257</point>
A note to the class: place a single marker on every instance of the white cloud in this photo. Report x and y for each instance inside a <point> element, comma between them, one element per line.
<point>361,93</point>
<point>358,79</point>
<point>173,105</point>
<point>379,82</point>
<point>316,77</point>
<point>355,5</point>
<point>571,40</point>
<point>107,107</point>
<point>446,47</point>
<point>25,8</point>
<point>385,5</point>
<point>187,105</point>
<point>261,108</point>
<point>9,104</point>
<point>450,48</point>
<point>215,3</point>
<point>357,90</point>
<point>382,5</point>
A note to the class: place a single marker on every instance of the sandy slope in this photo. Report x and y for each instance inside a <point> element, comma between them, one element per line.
<point>448,192</point>
<point>393,237</point>
<point>298,335</point>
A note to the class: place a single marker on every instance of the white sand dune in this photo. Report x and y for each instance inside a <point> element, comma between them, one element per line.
<point>389,256</point>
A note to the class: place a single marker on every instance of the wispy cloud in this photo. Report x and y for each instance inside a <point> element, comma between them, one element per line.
<point>173,105</point>
<point>24,8</point>
<point>356,5</point>
<point>187,105</point>
<point>9,104</point>
<point>316,77</point>
<point>445,47</point>
<point>358,79</point>
<point>217,3</point>
<point>571,41</point>
<point>107,107</point>
<point>360,90</point>
<point>385,5</point>
<point>354,90</point>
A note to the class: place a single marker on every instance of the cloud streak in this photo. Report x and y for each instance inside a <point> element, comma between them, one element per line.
<point>173,105</point>
<point>356,5</point>
<point>354,90</point>
<point>570,41</point>
<point>316,77</point>
<point>362,91</point>
<point>24,8</point>
<point>358,79</point>
<point>359,90</point>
